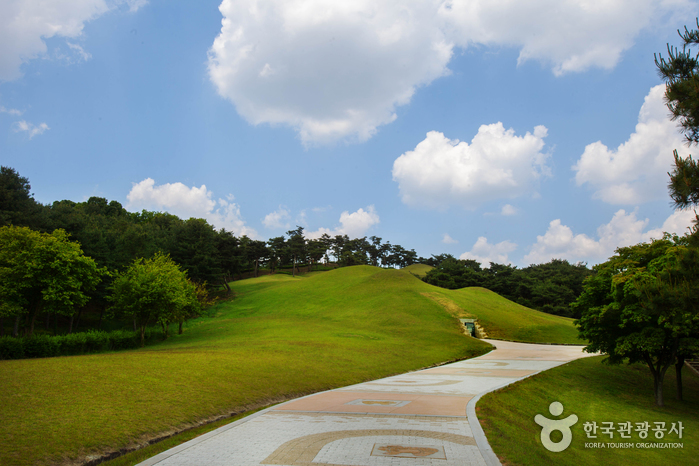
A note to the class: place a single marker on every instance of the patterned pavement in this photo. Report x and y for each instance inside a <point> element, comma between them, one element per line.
<point>420,418</point>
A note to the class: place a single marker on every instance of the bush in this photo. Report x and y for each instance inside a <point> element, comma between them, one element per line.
<point>73,343</point>
<point>123,339</point>
<point>41,346</point>
<point>92,341</point>
<point>96,341</point>
<point>11,348</point>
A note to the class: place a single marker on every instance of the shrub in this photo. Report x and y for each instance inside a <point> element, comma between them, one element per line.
<point>92,341</point>
<point>41,346</point>
<point>123,339</point>
<point>73,343</point>
<point>96,341</point>
<point>11,348</point>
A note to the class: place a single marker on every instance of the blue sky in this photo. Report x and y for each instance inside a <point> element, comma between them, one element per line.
<point>505,131</point>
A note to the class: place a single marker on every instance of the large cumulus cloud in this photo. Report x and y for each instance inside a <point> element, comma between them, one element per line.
<point>497,164</point>
<point>339,69</point>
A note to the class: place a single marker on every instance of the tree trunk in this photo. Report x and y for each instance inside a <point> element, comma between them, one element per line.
<point>35,314</point>
<point>164,325</point>
<point>293,267</point>
<point>135,327</point>
<point>143,333</point>
<point>658,378</point>
<point>55,323</point>
<point>15,329</point>
<point>180,330</point>
<point>70,325</point>
<point>658,390</point>
<point>48,320</point>
<point>31,327</point>
<point>678,376</point>
<point>99,324</point>
<point>77,322</point>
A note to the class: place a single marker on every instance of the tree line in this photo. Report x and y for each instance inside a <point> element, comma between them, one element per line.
<point>112,246</point>
<point>550,287</point>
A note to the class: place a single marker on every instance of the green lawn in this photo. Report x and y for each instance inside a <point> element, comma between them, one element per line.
<point>281,337</point>
<point>506,320</point>
<point>594,392</point>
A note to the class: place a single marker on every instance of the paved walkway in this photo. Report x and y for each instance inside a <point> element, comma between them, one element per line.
<point>420,418</point>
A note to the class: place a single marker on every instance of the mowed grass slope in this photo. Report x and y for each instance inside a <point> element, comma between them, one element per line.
<point>505,320</point>
<point>279,338</point>
<point>418,269</point>
<point>595,392</point>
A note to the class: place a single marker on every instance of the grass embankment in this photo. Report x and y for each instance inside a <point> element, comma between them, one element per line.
<point>594,392</point>
<point>505,320</point>
<point>279,338</point>
<point>418,269</point>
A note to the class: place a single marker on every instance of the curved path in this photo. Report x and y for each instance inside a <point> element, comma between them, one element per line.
<point>420,418</point>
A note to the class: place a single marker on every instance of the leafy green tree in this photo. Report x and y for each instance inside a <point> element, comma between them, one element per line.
<point>254,251</point>
<point>194,249</point>
<point>297,247</point>
<point>229,252</point>
<point>327,245</point>
<point>640,306</point>
<point>154,290</point>
<point>278,252</point>
<point>42,272</point>
<point>338,245</point>
<point>454,274</point>
<point>316,250</point>
<point>17,204</point>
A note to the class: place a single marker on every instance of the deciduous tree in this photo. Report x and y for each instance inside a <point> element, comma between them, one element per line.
<point>640,306</point>
<point>43,272</point>
<point>153,290</point>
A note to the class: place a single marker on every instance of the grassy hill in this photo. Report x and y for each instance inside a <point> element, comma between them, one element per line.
<point>418,269</point>
<point>281,337</point>
<point>506,320</point>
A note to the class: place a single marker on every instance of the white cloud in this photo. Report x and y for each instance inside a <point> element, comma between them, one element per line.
<point>302,218</point>
<point>497,164</point>
<point>135,5</point>
<point>186,202</point>
<point>448,239</point>
<point>331,70</point>
<point>570,35</point>
<point>26,24</point>
<point>637,170</point>
<point>277,219</point>
<point>337,70</point>
<point>677,223</point>
<point>624,229</point>
<point>485,253</point>
<point>11,111</point>
<point>85,56</point>
<point>30,128</point>
<point>508,210</point>
<point>354,225</point>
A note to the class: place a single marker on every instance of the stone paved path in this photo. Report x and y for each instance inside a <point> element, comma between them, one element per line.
<point>420,418</point>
